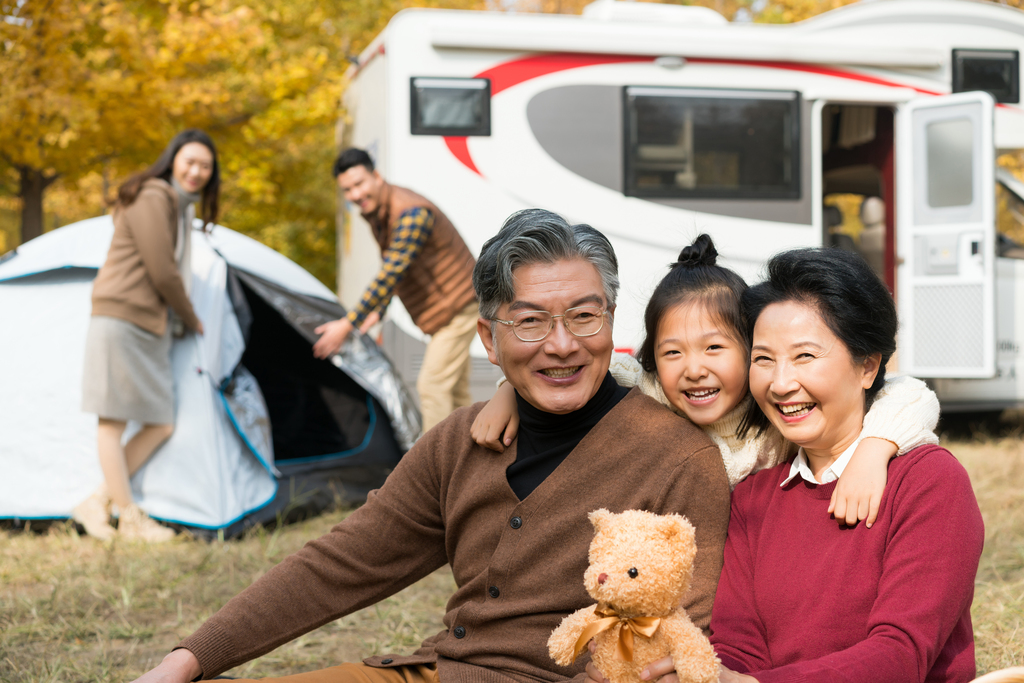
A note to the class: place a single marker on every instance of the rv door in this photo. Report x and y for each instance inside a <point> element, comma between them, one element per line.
<point>945,233</point>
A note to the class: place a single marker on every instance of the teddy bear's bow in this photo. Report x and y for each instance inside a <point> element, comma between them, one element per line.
<point>608,617</point>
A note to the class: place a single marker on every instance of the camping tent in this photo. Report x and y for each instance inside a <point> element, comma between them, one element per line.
<point>263,429</point>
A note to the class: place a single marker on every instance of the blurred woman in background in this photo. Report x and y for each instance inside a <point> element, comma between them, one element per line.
<point>140,298</point>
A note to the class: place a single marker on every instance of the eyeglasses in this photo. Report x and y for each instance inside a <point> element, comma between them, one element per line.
<point>532,326</point>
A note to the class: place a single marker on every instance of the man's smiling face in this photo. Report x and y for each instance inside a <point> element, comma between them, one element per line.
<point>560,373</point>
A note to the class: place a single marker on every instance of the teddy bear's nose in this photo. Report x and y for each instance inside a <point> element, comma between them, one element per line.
<point>601,578</point>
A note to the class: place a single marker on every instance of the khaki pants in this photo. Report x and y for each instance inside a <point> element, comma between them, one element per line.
<point>443,383</point>
<point>360,673</point>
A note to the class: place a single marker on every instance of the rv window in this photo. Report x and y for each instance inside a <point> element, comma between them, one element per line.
<point>703,143</point>
<point>996,72</point>
<point>950,162</point>
<point>451,106</point>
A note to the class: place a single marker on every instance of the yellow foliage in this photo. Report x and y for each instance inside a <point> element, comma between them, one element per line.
<point>772,11</point>
<point>789,11</point>
<point>1010,210</point>
<point>92,91</point>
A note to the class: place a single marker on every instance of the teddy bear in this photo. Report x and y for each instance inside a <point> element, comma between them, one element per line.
<point>640,568</point>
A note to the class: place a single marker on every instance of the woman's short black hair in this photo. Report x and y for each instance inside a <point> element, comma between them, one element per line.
<point>850,298</point>
<point>350,158</point>
<point>696,278</point>
<point>163,168</point>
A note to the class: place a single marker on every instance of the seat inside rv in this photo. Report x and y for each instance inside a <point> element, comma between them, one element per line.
<point>857,175</point>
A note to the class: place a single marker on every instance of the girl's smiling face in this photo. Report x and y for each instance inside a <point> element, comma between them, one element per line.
<point>701,364</point>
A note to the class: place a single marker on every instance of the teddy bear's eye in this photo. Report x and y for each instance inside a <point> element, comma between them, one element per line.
<point>633,573</point>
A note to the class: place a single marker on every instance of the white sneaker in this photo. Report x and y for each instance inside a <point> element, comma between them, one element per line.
<point>136,525</point>
<point>93,514</point>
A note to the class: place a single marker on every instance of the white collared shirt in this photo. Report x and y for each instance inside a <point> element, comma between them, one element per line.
<point>802,467</point>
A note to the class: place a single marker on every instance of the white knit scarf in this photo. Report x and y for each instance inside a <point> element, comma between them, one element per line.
<point>183,246</point>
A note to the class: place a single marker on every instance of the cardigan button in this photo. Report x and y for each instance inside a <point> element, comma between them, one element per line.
<point>386,661</point>
<point>516,522</point>
<point>493,591</point>
<point>460,632</point>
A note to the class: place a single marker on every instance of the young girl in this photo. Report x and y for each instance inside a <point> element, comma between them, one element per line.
<point>694,360</point>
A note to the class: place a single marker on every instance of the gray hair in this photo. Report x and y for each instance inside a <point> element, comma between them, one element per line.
<point>538,236</point>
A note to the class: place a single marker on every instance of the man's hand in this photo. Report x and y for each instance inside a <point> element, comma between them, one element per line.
<point>180,666</point>
<point>332,336</point>
<point>369,322</point>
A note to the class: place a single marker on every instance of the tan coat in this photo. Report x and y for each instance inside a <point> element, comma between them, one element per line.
<point>518,565</point>
<point>439,282</point>
<point>140,277</point>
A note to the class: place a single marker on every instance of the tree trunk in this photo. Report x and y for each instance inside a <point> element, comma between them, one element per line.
<point>33,183</point>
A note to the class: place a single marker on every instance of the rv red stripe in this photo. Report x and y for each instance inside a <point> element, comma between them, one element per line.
<point>812,69</point>
<point>459,148</point>
<point>504,76</point>
<point>511,73</point>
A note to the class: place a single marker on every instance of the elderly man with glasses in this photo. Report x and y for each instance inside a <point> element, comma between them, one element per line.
<point>512,526</point>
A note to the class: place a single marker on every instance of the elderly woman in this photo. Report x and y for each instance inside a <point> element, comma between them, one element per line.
<point>800,597</point>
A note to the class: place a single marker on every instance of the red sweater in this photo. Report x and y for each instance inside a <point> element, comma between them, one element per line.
<point>803,599</point>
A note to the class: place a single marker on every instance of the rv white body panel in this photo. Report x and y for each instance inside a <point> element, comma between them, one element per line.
<point>558,132</point>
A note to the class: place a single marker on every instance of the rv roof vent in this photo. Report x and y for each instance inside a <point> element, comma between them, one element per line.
<point>649,12</point>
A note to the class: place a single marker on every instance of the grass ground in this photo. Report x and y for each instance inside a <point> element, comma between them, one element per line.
<point>72,609</point>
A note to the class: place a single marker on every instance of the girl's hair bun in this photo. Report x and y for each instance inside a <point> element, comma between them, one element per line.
<point>701,253</point>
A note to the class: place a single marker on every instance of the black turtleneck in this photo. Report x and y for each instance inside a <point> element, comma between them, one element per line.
<point>545,439</point>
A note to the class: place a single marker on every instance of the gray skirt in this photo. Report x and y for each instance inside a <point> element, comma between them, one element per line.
<point>127,372</point>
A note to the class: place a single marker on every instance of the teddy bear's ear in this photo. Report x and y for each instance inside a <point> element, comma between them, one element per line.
<point>678,529</point>
<point>599,518</point>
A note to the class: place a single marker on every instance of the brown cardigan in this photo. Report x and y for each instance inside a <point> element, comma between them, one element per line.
<point>518,564</point>
<point>140,277</point>
<point>439,281</point>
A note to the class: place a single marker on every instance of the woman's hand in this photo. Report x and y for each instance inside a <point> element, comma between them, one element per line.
<point>199,327</point>
<point>858,492</point>
<point>500,415</point>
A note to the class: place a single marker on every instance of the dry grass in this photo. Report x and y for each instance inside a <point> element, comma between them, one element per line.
<point>997,472</point>
<point>74,610</point>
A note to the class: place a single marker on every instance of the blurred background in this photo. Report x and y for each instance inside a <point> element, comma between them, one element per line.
<point>90,92</point>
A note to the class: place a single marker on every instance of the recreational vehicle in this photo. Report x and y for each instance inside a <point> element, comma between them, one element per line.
<point>874,127</point>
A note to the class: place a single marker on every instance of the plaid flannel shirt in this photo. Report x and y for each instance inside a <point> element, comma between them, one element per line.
<point>412,232</point>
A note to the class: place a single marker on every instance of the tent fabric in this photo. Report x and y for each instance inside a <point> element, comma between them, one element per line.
<point>263,429</point>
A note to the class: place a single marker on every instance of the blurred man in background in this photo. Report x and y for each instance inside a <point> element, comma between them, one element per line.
<point>430,268</point>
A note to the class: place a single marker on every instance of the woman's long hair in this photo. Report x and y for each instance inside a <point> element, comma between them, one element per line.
<point>164,166</point>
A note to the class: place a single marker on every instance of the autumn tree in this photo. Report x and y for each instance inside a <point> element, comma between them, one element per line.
<point>93,90</point>
<point>95,84</point>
